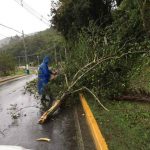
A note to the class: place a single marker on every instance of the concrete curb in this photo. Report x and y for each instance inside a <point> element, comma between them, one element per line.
<point>98,138</point>
<point>11,78</point>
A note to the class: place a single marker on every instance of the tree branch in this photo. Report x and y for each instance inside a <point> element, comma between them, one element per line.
<point>96,98</point>
<point>80,89</point>
<point>101,61</point>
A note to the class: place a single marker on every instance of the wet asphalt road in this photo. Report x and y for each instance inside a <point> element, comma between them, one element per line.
<point>24,130</point>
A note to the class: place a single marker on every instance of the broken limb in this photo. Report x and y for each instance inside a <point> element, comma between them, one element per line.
<point>95,97</point>
<point>77,78</point>
<point>43,139</point>
<point>59,102</point>
<point>52,109</point>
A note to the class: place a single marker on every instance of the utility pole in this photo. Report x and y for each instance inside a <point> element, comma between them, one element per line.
<point>19,60</point>
<point>25,50</point>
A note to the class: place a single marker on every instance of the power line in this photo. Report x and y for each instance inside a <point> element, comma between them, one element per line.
<point>3,35</point>
<point>24,44</point>
<point>10,28</point>
<point>33,12</point>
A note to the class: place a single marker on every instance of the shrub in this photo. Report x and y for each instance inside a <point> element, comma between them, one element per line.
<point>7,64</point>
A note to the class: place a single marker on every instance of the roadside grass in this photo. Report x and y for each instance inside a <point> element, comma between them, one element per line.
<point>18,72</point>
<point>126,126</point>
<point>21,72</point>
<point>11,74</point>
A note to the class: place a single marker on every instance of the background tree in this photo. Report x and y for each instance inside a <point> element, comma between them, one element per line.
<point>72,15</point>
<point>39,44</point>
<point>7,64</point>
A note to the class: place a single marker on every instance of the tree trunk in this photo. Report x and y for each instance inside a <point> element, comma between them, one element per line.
<point>52,109</point>
<point>49,112</point>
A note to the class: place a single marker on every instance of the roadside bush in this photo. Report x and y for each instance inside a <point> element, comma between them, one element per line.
<point>7,64</point>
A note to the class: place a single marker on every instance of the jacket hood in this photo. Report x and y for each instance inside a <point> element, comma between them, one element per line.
<point>46,60</point>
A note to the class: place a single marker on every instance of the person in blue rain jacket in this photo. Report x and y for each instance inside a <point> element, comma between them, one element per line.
<point>44,75</point>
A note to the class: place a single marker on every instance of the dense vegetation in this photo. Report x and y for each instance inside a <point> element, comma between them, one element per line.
<point>7,64</point>
<point>39,44</point>
<point>105,42</point>
<point>72,15</point>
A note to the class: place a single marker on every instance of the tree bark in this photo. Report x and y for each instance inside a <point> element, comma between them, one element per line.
<point>52,109</point>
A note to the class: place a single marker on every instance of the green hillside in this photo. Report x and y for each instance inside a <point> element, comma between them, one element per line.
<point>39,44</point>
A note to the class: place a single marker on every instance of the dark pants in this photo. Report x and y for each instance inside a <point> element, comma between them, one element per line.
<point>47,95</point>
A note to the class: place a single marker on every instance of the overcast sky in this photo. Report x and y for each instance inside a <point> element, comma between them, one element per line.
<point>15,16</point>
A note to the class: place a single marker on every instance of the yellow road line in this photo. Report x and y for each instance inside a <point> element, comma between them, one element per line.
<point>11,78</point>
<point>99,140</point>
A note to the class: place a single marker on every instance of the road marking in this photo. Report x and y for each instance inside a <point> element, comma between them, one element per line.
<point>12,79</point>
<point>98,138</point>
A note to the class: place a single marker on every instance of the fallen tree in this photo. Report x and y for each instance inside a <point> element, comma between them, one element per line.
<point>77,77</point>
<point>107,56</point>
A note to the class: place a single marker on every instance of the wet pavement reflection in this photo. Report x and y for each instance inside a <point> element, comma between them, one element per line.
<point>19,114</point>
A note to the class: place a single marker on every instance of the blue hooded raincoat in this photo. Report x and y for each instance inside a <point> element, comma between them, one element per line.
<point>44,75</point>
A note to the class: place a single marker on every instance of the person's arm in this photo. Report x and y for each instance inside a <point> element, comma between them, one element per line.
<point>54,74</point>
